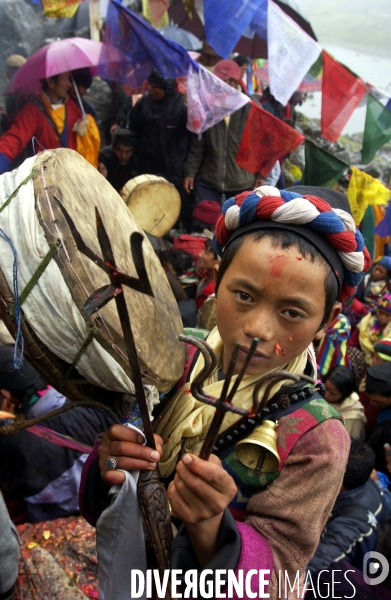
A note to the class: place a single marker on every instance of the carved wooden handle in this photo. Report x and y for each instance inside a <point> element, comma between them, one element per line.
<point>154,506</point>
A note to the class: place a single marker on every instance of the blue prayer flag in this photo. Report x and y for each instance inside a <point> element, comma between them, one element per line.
<point>143,47</point>
<point>226,22</point>
<point>383,229</point>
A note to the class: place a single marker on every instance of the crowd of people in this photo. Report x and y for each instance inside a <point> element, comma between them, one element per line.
<point>241,268</point>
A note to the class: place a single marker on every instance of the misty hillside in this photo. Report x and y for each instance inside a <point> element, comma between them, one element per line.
<point>363,25</point>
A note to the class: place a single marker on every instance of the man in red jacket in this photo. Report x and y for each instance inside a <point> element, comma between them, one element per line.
<point>50,118</point>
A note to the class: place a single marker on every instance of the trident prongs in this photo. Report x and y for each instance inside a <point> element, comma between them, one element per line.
<point>273,377</point>
<point>224,403</point>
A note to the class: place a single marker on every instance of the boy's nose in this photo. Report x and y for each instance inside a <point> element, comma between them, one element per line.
<point>259,325</point>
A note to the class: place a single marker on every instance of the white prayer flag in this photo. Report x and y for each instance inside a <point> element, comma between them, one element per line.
<point>291,53</point>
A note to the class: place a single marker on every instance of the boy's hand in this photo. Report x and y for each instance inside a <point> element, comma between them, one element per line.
<point>199,494</point>
<point>126,446</point>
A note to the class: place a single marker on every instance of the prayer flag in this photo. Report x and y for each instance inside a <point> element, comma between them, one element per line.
<point>383,229</point>
<point>377,130</point>
<point>321,167</point>
<point>58,9</point>
<point>365,190</point>
<point>226,21</point>
<point>209,100</point>
<point>144,49</point>
<point>265,139</point>
<point>341,94</point>
<point>291,52</point>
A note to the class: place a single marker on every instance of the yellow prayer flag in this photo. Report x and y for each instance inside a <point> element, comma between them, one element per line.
<point>57,9</point>
<point>364,190</point>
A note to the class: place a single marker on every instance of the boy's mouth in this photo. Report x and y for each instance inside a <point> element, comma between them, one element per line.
<point>257,356</point>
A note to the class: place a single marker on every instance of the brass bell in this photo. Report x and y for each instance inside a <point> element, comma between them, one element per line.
<point>259,451</point>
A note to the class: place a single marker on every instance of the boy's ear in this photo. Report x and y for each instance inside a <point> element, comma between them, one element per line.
<point>335,311</point>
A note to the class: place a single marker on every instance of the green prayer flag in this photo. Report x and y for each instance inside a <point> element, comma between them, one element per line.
<point>377,129</point>
<point>321,167</point>
<point>368,225</point>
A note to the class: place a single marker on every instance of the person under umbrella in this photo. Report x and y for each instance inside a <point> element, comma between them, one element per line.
<point>50,121</point>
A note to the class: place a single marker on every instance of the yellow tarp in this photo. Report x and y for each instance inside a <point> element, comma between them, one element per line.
<point>364,190</point>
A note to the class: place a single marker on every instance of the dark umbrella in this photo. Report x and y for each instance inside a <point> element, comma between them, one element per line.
<point>255,47</point>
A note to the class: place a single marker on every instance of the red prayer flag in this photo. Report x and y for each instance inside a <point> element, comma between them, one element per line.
<point>265,140</point>
<point>341,94</point>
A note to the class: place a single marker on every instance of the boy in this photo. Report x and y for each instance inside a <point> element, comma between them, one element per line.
<point>288,261</point>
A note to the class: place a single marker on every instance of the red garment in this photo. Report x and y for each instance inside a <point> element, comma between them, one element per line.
<point>207,291</point>
<point>32,122</point>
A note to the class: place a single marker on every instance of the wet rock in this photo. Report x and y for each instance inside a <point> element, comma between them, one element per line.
<point>23,30</point>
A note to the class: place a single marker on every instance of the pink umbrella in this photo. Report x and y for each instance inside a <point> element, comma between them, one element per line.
<point>59,57</point>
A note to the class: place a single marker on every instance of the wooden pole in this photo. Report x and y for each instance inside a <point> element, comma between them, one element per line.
<point>95,20</point>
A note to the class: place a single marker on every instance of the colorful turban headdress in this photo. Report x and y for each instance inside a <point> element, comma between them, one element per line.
<point>384,261</point>
<point>385,303</point>
<point>383,349</point>
<point>320,215</point>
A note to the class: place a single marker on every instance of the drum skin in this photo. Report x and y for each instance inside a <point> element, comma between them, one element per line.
<point>154,202</point>
<point>65,177</point>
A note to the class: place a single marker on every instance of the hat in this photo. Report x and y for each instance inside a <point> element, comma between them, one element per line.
<point>384,261</point>
<point>10,379</point>
<point>15,61</point>
<point>383,348</point>
<point>207,211</point>
<point>385,303</point>
<point>378,379</point>
<point>320,215</point>
<point>124,137</point>
<point>229,69</point>
<point>82,77</point>
<point>159,81</point>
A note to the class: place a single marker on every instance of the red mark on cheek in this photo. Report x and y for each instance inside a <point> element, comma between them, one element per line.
<point>277,268</point>
<point>290,339</point>
<point>299,257</point>
<point>278,349</point>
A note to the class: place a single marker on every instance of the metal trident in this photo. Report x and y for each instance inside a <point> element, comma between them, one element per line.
<point>223,404</point>
<point>151,492</point>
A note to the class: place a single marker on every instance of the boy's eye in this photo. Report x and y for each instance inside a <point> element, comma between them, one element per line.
<point>243,297</point>
<point>293,314</point>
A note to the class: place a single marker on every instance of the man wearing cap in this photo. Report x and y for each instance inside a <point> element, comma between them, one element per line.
<point>205,216</point>
<point>118,158</point>
<point>213,156</point>
<point>162,139</point>
<point>43,464</point>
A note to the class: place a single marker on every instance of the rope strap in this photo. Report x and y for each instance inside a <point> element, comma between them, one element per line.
<point>35,277</point>
<point>33,173</point>
<point>92,333</point>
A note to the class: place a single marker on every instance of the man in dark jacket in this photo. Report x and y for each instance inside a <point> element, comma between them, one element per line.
<point>118,159</point>
<point>162,139</point>
<point>213,156</point>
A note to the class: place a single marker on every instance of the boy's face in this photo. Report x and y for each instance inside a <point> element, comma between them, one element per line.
<point>379,272</point>
<point>380,401</point>
<point>383,316</point>
<point>206,259</point>
<point>275,295</point>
